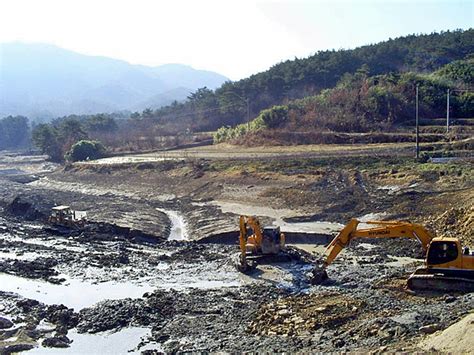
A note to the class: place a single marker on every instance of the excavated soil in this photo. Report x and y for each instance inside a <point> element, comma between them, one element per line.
<point>155,262</point>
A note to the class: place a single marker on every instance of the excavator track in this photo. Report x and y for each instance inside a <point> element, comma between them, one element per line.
<point>440,282</point>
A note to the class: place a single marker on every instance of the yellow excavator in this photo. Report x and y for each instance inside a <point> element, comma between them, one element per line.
<point>448,266</point>
<point>257,243</point>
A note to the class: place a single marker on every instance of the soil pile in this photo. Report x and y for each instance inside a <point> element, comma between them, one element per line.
<point>457,339</point>
<point>457,222</point>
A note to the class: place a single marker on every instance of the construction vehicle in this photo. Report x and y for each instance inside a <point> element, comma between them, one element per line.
<point>257,243</point>
<point>64,216</point>
<point>448,266</point>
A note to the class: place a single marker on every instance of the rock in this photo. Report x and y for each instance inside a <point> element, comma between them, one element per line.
<point>383,335</point>
<point>398,331</point>
<point>429,329</point>
<point>283,312</point>
<point>16,348</point>
<point>5,323</point>
<point>27,304</point>
<point>449,299</point>
<point>60,314</point>
<point>61,341</point>
<point>28,207</point>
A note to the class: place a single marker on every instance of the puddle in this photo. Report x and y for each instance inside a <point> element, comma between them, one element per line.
<point>124,341</point>
<point>207,276</point>
<point>372,217</point>
<point>310,248</point>
<point>29,256</point>
<point>201,284</point>
<point>390,188</point>
<point>319,227</point>
<point>58,244</point>
<point>368,246</point>
<point>444,160</point>
<point>73,293</point>
<point>242,209</point>
<point>78,294</point>
<point>132,159</point>
<point>403,261</point>
<point>178,225</point>
<point>278,215</point>
<point>12,172</point>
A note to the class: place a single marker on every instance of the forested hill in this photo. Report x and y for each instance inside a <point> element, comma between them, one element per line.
<point>228,105</point>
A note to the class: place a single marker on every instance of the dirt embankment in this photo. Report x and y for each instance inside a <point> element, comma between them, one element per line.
<point>457,339</point>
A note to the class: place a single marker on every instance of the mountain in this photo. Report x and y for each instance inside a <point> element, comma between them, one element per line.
<point>163,99</point>
<point>45,80</point>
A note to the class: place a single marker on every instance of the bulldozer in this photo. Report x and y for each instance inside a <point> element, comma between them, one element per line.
<point>257,243</point>
<point>64,216</point>
<point>448,266</point>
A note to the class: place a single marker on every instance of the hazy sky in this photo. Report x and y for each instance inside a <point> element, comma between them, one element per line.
<point>234,38</point>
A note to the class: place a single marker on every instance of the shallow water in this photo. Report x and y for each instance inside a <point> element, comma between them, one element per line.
<point>124,341</point>
<point>133,159</point>
<point>178,225</point>
<point>278,215</point>
<point>73,293</point>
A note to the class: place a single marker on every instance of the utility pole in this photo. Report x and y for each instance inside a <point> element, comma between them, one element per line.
<point>447,113</point>
<point>417,129</point>
<point>248,113</point>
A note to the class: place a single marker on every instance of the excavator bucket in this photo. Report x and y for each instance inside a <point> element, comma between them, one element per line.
<point>317,276</point>
<point>243,265</point>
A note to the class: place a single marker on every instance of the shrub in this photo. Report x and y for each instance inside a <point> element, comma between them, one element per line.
<point>85,150</point>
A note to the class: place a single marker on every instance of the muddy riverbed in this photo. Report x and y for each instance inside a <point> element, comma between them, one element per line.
<point>153,271</point>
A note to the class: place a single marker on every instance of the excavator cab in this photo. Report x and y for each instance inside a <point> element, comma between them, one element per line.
<point>272,240</point>
<point>447,267</point>
<point>257,243</point>
<point>442,252</point>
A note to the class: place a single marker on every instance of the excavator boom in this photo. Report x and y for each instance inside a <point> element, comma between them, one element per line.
<point>384,229</point>
<point>448,266</point>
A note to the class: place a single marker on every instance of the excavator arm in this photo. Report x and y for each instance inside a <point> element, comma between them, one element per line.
<point>250,235</point>
<point>383,229</point>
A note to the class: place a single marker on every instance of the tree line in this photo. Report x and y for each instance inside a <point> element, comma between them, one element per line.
<point>236,102</point>
<point>361,103</point>
<point>370,87</point>
<point>14,132</point>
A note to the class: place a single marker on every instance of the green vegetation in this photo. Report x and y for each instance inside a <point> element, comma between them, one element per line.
<point>299,78</point>
<point>362,103</point>
<point>45,137</point>
<point>459,71</point>
<point>57,139</point>
<point>14,132</point>
<point>317,166</point>
<point>85,150</point>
